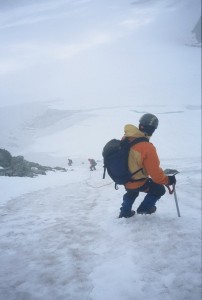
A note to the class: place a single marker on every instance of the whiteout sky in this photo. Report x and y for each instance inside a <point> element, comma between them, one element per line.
<point>93,53</point>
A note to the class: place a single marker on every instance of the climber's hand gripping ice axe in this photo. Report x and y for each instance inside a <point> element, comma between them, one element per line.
<point>170,172</point>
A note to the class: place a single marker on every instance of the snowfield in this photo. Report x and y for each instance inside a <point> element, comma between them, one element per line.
<point>61,237</point>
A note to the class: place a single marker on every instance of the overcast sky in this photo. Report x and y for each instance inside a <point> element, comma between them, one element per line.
<point>99,52</point>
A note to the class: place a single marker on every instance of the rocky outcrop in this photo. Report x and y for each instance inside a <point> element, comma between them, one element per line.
<point>18,166</point>
<point>5,158</point>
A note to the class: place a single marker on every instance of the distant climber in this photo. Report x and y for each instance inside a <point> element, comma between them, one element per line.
<point>70,162</point>
<point>92,164</point>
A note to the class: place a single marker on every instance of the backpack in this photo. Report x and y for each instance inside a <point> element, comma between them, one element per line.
<point>115,154</point>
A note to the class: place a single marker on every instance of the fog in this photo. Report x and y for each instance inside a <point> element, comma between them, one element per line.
<point>99,53</point>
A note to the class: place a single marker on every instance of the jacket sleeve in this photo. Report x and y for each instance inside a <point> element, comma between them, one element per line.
<point>151,164</point>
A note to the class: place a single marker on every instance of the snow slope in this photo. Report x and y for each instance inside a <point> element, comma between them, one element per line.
<point>60,235</point>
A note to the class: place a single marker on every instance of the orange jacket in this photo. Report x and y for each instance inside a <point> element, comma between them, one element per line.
<point>143,157</point>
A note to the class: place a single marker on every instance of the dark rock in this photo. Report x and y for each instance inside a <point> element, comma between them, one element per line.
<point>18,166</point>
<point>5,158</point>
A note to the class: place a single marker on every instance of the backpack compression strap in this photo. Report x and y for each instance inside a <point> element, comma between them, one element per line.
<point>103,177</point>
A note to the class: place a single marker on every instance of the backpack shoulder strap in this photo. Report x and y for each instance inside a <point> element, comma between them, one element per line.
<point>138,140</point>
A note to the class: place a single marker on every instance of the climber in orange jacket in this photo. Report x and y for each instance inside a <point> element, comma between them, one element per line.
<point>143,160</point>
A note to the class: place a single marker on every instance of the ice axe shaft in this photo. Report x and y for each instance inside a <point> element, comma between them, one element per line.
<point>172,172</point>
<point>173,191</point>
<point>176,202</point>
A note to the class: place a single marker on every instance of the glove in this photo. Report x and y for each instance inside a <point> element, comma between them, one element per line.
<point>171,180</point>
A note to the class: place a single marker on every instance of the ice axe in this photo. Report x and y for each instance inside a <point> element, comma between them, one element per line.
<point>170,172</point>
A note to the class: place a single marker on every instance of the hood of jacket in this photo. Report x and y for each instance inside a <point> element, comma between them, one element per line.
<point>131,131</point>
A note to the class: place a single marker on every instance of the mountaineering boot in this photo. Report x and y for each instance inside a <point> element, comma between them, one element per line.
<point>149,211</point>
<point>128,215</point>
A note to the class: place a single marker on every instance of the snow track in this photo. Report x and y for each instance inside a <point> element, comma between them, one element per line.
<point>66,242</point>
